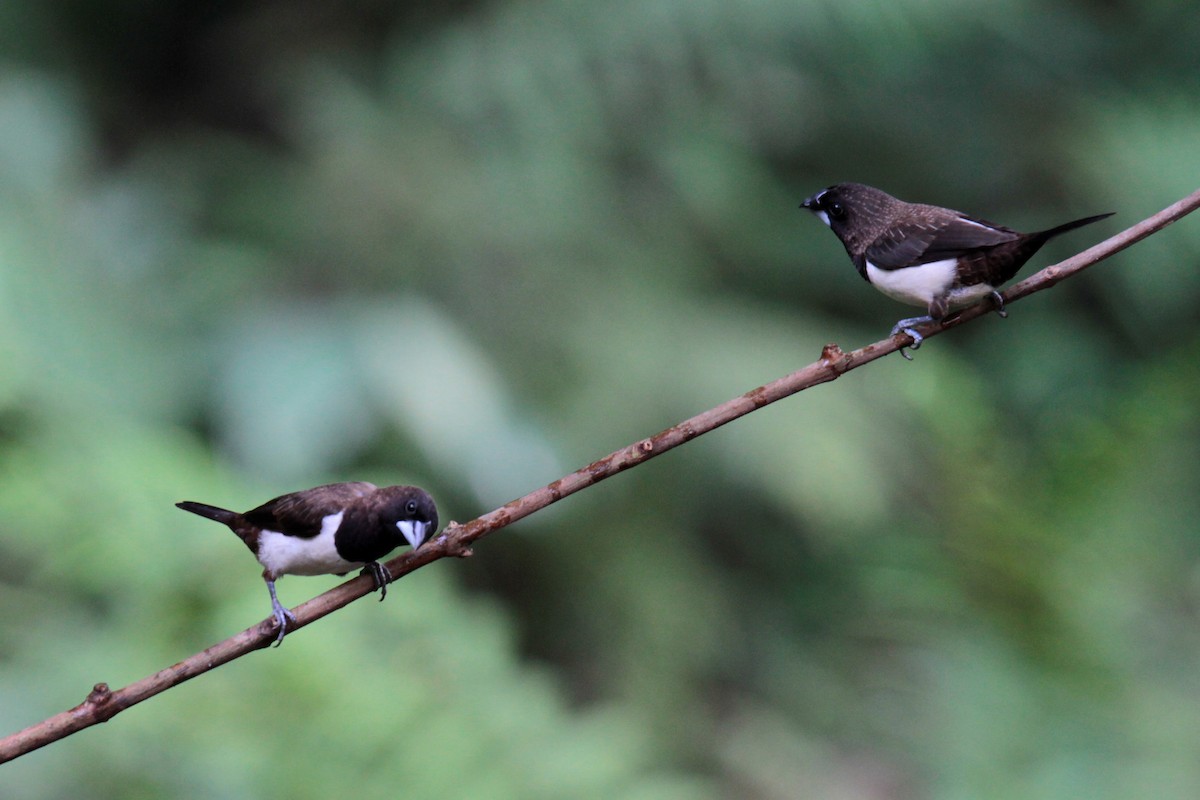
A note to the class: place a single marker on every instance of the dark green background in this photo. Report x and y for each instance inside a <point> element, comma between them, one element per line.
<point>247,248</point>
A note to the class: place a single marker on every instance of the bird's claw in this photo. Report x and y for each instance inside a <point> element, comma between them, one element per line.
<point>382,577</point>
<point>282,618</point>
<point>998,300</point>
<point>906,326</point>
<point>916,342</point>
<point>282,615</point>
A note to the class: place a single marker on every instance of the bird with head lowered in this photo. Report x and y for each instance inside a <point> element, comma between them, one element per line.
<point>329,529</point>
<point>926,255</point>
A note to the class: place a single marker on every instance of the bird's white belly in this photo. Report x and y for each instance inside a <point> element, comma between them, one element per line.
<point>293,555</point>
<point>917,286</point>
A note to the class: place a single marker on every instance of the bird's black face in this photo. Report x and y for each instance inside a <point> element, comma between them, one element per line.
<point>830,207</point>
<point>413,512</point>
<point>856,213</point>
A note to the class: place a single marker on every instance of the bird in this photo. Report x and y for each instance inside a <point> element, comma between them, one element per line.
<point>926,255</point>
<point>330,529</point>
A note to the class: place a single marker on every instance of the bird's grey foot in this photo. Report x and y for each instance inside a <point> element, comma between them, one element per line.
<point>381,574</point>
<point>906,326</point>
<point>282,615</point>
<point>999,301</point>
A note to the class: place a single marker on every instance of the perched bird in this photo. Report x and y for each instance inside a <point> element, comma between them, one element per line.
<point>329,529</point>
<point>925,255</point>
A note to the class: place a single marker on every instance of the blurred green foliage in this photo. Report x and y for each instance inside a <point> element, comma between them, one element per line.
<point>250,247</point>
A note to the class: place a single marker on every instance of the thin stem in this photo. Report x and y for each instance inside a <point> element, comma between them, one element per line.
<point>103,703</point>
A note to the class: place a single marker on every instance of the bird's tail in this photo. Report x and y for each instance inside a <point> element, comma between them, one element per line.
<point>1070,226</point>
<point>221,515</point>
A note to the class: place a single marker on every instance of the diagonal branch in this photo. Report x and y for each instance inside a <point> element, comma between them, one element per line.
<point>103,703</point>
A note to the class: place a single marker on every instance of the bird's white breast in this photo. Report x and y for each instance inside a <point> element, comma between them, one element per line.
<point>918,285</point>
<point>292,555</point>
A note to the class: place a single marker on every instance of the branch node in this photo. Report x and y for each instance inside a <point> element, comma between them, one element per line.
<point>99,705</point>
<point>834,357</point>
<point>99,695</point>
<point>451,543</point>
<point>646,445</point>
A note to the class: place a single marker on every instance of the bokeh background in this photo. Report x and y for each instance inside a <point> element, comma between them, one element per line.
<point>250,247</point>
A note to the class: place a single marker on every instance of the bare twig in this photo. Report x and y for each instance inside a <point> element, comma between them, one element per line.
<point>103,703</point>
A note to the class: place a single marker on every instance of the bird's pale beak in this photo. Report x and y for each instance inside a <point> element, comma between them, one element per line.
<point>413,530</point>
<point>811,203</point>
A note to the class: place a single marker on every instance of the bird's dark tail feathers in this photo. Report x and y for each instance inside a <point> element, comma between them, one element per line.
<point>221,515</point>
<point>1058,230</point>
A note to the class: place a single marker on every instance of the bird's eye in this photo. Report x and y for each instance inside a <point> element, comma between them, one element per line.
<point>836,210</point>
<point>410,507</point>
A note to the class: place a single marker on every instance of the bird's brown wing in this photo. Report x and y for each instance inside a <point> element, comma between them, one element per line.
<point>916,242</point>
<point>301,513</point>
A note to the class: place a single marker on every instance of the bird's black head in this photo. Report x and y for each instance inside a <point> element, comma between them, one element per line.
<point>828,201</point>
<point>856,213</point>
<point>410,510</point>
